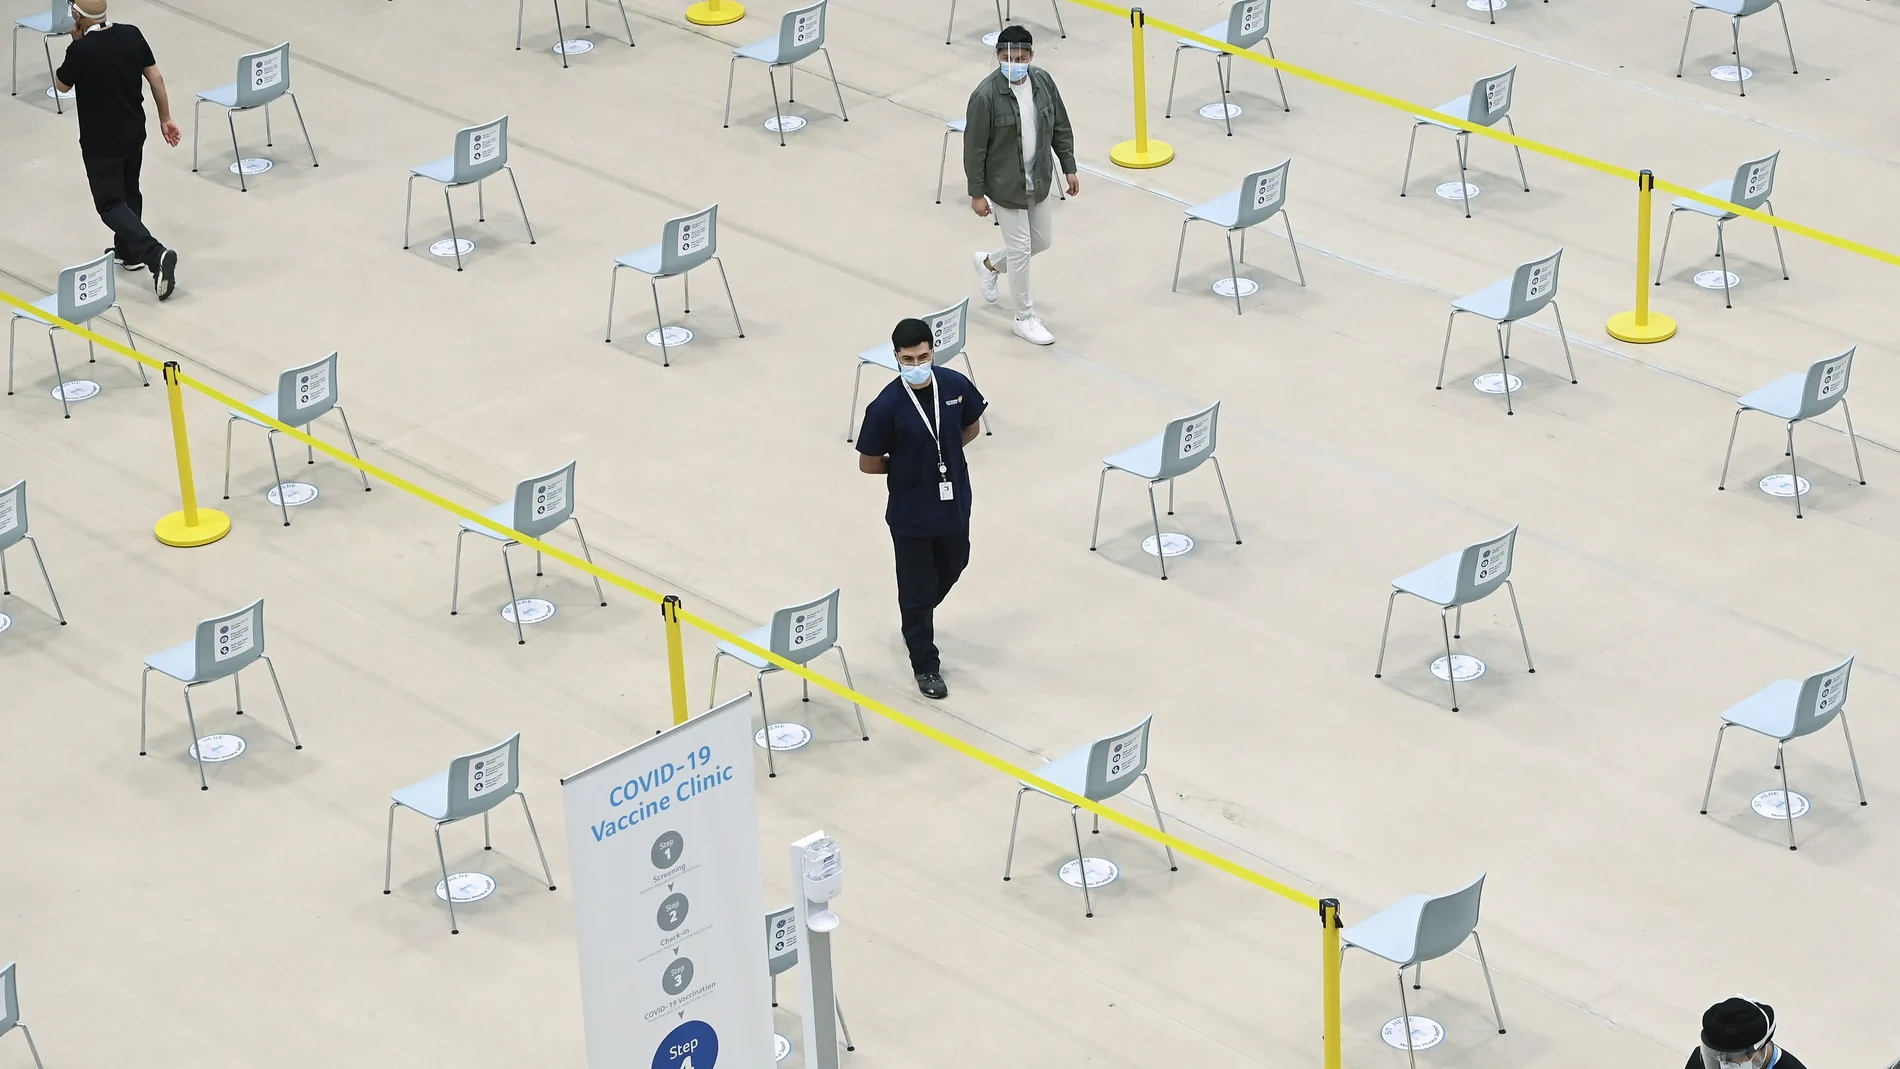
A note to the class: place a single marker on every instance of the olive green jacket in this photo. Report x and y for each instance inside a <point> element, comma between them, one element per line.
<point>993,140</point>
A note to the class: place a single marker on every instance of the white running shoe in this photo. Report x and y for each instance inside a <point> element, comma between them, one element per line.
<point>1031,330</point>
<point>985,278</point>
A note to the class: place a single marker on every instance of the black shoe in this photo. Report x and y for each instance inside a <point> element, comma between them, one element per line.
<point>932,685</point>
<point>125,264</point>
<point>164,274</point>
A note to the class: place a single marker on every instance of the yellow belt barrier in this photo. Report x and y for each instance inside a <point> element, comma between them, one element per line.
<point>190,525</point>
<point>1141,153</point>
<point>715,12</point>
<point>1329,969</point>
<point>675,656</point>
<point>1639,326</point>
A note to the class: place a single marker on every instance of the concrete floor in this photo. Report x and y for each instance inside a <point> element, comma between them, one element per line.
<point>162,926</point>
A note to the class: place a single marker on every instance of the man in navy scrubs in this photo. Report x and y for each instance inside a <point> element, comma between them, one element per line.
<point>914,433</point>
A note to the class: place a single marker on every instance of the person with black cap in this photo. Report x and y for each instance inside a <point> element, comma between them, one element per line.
<point>1739,1033</point>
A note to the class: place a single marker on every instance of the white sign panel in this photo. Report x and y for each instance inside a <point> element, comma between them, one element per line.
<point>235,637</point>
<point>812,626</point>
<point>484,144</point>
<point>9,513</point>
<point>266,71</point>
<point>313,386</point>
<point>664,847</point>
<point>550,497</point>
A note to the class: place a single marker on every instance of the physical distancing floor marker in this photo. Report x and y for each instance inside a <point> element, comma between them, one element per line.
<point>528,611</point>
<point>1226,286</point>
<point>5,621</point>
<point>576,47</point>
<point>1496,381</point>
<point>1220,112</point>
<point>1463,668</point>
<point>1781,484</point>
<point>448,248</point>
<point>291,495</point>
<point>780,1047</point>
<point>785,124</point>
<point>1171,544</point>
<point>76,390</point>
<point>784,736</point>
<point>215,748</point>
<point>989,38</point>
<point>1487,5</point>
<point>1426,1033</point>
<point>1772,805</point>
<point>1458,191</point>
<point>250,165</point>
<point>1729,72</point>
<point>465,887</point>
<point>67,95</point>
<point>675,337</point>
<point>1712,280</point>
<point>1101,872</point>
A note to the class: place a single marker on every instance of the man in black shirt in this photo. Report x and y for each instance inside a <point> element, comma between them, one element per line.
<point>104,63</point>
<point>1740,1034</point>
<point>914,433</point>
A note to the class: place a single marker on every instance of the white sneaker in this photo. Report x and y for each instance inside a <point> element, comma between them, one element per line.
<point>985,278</point>
<point>1031,330</point>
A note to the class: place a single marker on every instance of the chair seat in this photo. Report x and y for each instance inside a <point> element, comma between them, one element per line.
<point>1143,460</point>
<point>1222,211</point>
<point>429,797</point>
<point>266,404</point>
<point>180,662</point>
<point>1719,190</point>
<point>957,126</point>
<point>1070,772</point>
<point>883,356</point>
<point>1460,106</point>
<point>1726,7</point>
<point>49,305</point>
<point>1218,32</point>
<point>503,514</point>
<point>1437,582</point>
<point>1492,302</point>
<point>225,96</point>
<point>758,636</point>
<point>1780,398</point>
<point>1391,933</point>
<point>1769,711</point>
<point>38,23</point>
<point>765,51</point>
<point>442,170</point>
<point>646,261</point>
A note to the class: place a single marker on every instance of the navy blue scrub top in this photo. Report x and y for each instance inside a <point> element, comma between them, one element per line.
<point>892,427</point>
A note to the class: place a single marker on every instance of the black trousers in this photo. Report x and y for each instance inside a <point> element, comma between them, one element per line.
<point>114,178</point>
<point>927,567</point>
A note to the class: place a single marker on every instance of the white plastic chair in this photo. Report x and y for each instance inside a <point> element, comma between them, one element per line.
<point>55,21</point>
<point>14,529</point>
<point>262,77</point>
<point>1736,10</point>
<point>1784,711</point>
<point>10,1010</point>
<point>1532,286</point>
<point>1454,581</point>
<point>1419,929</point>
<point>1795,397</point>
<point>85,292</point>
<point>222,647</point>
<point>801,634</point>
<point>541,504</point>
<point>302,396</point>
<point>1186,444</point>
<point>801,32</point>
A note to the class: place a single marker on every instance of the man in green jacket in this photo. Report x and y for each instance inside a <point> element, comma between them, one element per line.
<point>1014,120</point>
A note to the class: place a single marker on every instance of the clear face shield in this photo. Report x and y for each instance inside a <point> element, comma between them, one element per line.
<point>1754,1057</point>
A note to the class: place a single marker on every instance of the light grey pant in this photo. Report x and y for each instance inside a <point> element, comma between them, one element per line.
<point>1025,233</point>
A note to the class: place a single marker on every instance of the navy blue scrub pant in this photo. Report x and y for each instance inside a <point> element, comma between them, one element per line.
<point>927,567</point>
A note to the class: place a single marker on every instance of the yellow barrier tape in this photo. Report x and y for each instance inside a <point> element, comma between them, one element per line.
<point>1200,854</point>
<point>1590,162</point>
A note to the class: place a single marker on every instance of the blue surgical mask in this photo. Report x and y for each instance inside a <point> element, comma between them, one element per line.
<point>1015,72</point>
<point>915,375</point>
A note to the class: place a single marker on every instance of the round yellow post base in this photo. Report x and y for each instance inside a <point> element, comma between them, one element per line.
<point>1125,155</point>
<point>212,525</point>
<point>1622,327</point>
<point>702,13</point>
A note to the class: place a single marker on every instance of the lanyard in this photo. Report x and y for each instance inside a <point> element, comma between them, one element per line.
<point>943,470</point>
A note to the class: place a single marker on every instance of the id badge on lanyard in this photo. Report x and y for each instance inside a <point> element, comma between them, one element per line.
<point>946,491</point>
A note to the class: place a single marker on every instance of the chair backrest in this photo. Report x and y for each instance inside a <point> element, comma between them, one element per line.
<point>480,151</point>
<point>1262,193</point>
<point>1189,441</point>
<point>1447,921</point>
<point>304,393</point>
<point>1484,566</point>
<point>1827,383</point>
<point>13,514</point>
<point>263,76</point>
<point>87,290</point>
<point>225,644</point>
<point>1115,761</point>
<point>781,940</point>
<point>802,632</point>
<point>688,241</point>
<point>948,329</point>
<point>1754,181</point>
<point>1247,22</point>
<point>1823,696</point>
<point>9,998</point>
<point>801,32</point>
<point>480,781</point>
<point>1491,98</point>
<point>545,502</point>
<point>62,15</point>
<point>1533,285</point>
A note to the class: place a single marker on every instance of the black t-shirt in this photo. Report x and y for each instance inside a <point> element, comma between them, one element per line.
<point>892,427</point>
<point>1782,1060</point>
<point>106,67</point>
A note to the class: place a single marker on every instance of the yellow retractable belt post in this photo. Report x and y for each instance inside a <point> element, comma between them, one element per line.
<point>1329,985</point>
<point>715,12</point>
<point>190,525</point>
<point>675,655</point>
<point>1141,153</point>
<point>1642,326</point>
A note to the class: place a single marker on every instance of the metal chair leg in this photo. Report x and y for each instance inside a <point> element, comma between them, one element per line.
<point>1081,864</point>
<point>1225,80</point>
<point>863,732</point>
<point>1013,821</point>
<point>270,441</point>
<point>1710,786</point>
<point>731,69</point>
<point>514,601</point>
<point>653,284</point>
<point>389,846</point>
<point>839,1007</point>
<point>1522,637</point>
<point>1853,760</point>
<point>1180,249</point>
<point>1410,146</point>
<point>57,611</point>
<point>765,722</point>
<point>1233,267</point>
<point>195,106</point>
<point>1160,557</point>
<point>1496,1015</point>
<point>130,344</point>
<point>1386,634</point>
<point>52,76</point>
<point>1787,797</point>
<point>1290,243</point>
<point>1722,483</point>
<point>851,414</point>
<point>826,52</point>
<point>448,893</point>
<point>625,23</point>
<point>1735,31</point>
<point>355,452</point>
<point>1853,441</point>
<point>1669,226</point>
<point>1782,256</point>
<point>526,812</point>
<point>59,375</point>
<point>307,143</point>
<point>521,204</point>
<point>729,301</point>
<point>585,552</point>
<point>198,754</point>
<point>1160,827</point>
<point>1686,27</point>
<point>1565,338</point>
<point>713,697</point>
<point>1451,675</point>
<point>1285,104</point>
<point>237,154</point>
<point>1222,479</point>
<point>1512,127</point>
<point>1794,471</point>
<point>1444,353</point>
<point>1095,532</point>
<point>1788,37</point>
<point>272,665</point>
<point>1504,369</point>
<point>145,678</point>
<point>1462,145</point>
<point>1721,253</point>
<point>778,113</point>
<point>1167,110</point>
<point>560,34</point>
<point>1405,1020</point>
<point>454,237</point>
